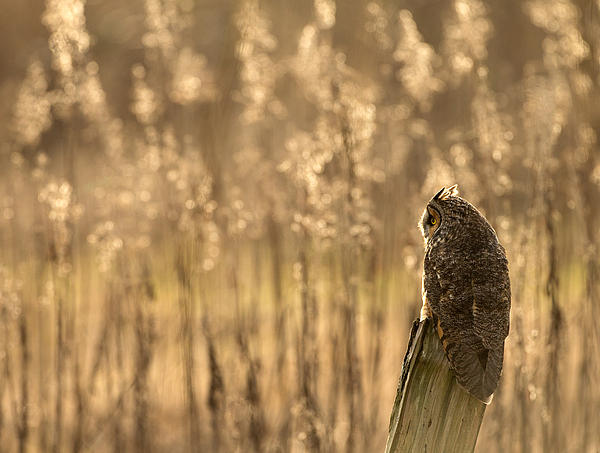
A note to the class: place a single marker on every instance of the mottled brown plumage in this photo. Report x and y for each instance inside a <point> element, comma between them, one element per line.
<point>466,289</point>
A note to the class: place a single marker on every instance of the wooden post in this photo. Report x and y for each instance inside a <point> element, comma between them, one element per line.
<point>431,413</point>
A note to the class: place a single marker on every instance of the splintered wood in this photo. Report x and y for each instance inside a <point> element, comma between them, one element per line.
<point>431,413</point>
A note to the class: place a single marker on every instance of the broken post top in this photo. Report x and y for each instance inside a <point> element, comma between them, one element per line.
<point>432,412</point>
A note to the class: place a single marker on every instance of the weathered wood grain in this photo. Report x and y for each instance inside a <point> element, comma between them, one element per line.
<point>431,413</point>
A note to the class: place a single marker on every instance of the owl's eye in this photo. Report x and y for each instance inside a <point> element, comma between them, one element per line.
<point>433,220</point>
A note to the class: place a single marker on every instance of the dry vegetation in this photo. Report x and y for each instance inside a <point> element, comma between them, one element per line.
<point>208,216</point>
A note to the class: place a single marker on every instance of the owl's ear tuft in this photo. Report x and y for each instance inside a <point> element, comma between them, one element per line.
<point>453,191</point>
<point>446,193</point>
<point>437,195</point>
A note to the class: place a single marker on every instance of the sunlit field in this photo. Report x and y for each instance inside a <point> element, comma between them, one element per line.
<point>208,216</point>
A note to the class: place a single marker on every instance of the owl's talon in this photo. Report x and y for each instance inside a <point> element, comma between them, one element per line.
<point>425,311</point>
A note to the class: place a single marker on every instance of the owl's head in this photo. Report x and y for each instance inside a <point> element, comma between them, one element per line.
<point>433,216</point>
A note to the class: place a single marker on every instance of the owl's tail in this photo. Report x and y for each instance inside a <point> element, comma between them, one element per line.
<point>477,372</point>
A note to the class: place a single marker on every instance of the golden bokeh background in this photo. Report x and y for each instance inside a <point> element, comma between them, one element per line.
<point>208,214</point>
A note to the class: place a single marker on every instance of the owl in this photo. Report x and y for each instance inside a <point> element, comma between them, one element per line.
<point>466,290</point>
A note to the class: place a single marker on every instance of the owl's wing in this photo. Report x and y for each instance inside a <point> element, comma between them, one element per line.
<point>475,355</point>
<point>491,301</point>
<point>491,316</point>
